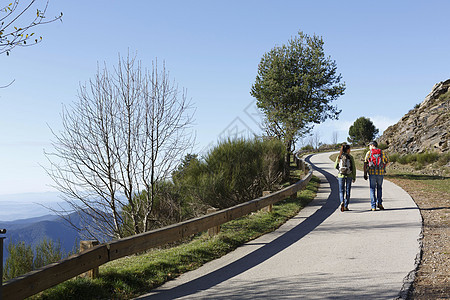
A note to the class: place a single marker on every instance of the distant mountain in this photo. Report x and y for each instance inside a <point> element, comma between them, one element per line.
<point>33,231</point>
<point>28,205</point>
<point>425,127</point>
<point>27,221</point>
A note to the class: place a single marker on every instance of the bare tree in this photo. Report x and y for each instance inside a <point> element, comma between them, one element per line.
<point>12,34</point>
<point>335,137</point>
<point>124,135</point>
<point>314,140</point>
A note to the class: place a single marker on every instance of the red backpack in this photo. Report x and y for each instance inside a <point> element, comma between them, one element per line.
<point>376,159</point>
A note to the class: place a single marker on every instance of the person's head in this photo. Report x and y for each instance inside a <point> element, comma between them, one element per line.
<point>344,149</point>
<point>373,144</point>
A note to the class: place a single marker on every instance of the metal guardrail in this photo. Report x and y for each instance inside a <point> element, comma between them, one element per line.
<point>53,274</point>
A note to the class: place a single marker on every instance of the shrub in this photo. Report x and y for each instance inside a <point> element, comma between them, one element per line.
<point>382,146</point>
<point>233,172</point>
<point>445,96</point>
<point>427,157</point>
<point>410,158</point>
<point>418,166</point>
<point>239,170</point>
<point>394,157</point>
<point>420,159</point>
<point>307,148</point>
<point>444,159</point>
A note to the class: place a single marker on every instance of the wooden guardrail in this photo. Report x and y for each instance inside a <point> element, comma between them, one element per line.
<point>53,274</point>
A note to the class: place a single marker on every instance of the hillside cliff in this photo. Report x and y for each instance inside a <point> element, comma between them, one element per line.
<point>424,128</point>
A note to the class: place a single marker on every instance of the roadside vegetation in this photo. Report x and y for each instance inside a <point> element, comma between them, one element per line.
<point>23,258</point>
<point>134,275</point>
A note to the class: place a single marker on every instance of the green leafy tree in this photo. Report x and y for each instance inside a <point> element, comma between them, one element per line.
<point>362,131</point>
<point>295,86</point>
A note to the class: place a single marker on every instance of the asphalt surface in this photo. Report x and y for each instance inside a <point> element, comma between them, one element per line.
<point>322,253</point>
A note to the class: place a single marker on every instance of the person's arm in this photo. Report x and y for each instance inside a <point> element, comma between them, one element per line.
<point>336,164</point>
<point>353,169</point>
<point>365,167</point>
<point>385,160</point>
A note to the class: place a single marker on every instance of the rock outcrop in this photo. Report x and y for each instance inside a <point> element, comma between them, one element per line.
<point>424,128</point>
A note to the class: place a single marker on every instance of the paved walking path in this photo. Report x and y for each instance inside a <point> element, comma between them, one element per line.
<point>322,253</point>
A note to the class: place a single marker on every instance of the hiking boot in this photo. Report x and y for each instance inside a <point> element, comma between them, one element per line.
<point>346,208</point>
<point>342,207</point>
<point>374,209</point>
<point>380,207</point>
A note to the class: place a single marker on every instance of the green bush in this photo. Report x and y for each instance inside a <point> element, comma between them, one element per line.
<point>444,159</point>
<point>307,148</point>
<point>410,158</point>
<point>394,157</point>
<point>233,172</point>
<point>382,146</point>
<point>420,159</point>
<point>427,157</point>
<point>418,166</point>
<point>239,170</point>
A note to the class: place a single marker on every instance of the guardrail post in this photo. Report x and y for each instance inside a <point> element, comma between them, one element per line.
<point>303,166</point>
<point>269,207</point>
<point>216,229</point>
<point>84,245</point>
<point>2,231</point>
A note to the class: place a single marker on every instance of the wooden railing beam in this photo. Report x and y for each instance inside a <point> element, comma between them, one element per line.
<point>53,274</point>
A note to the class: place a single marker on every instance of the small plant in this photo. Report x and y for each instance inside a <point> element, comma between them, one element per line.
<point>418,166</point>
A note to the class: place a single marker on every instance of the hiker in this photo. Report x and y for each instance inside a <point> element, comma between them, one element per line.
<point>345,164</point>
<point>374,164</point>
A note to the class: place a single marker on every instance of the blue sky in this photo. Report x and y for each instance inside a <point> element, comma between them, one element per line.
<point>390,54</point>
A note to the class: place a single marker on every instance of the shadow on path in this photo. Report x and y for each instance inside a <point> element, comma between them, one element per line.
<point>260,255</point>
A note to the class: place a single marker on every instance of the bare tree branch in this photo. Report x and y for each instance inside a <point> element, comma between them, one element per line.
<point>13,34</point>
<point>127,132</point>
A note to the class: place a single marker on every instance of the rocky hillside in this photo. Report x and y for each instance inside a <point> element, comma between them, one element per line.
<point>424,128</point>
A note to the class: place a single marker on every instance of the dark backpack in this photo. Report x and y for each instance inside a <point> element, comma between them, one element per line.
<point>376,159</point>
<point>345,165</point>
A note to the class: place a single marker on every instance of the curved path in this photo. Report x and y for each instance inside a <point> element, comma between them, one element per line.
<point>322,253</point>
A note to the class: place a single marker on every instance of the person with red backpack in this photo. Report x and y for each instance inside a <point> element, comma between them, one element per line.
<point>375,165</point>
